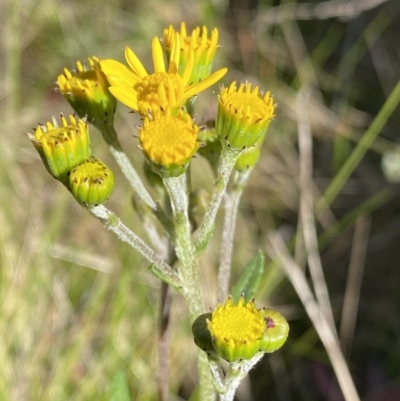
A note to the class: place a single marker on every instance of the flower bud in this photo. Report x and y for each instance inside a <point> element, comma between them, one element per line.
<point>201,334</point>
<point>211,146</point>
<point>91,182</point>
<point>86,90</point>
<point>243,115</point>
<point>275,332</point>
<point>239,331</point>
<point>249,157</point>
<point>200,43</point>
<point>61,148</point>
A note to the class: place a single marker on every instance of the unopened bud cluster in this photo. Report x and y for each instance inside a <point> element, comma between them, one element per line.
<point>65,151</point>
<point>239,331</point>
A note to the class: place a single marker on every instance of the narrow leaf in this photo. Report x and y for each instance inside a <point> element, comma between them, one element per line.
<point>249,279</point>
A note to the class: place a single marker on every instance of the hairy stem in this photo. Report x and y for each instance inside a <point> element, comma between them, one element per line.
<point>231,203</point>
<point>227,162</point>
<point>185,251</point>
<point>159,267</point>
<point>110,136</point>
<point>236,373</point>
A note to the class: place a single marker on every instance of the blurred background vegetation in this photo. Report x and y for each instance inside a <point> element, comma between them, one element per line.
<point>77,305</point>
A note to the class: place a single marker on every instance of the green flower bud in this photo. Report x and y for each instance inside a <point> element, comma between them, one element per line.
<point>243,115</point>
<point>276,331</point>
<point>86,90</point>
<point>211,145</point>
<point>240,331</point>
<point>61,148</point>
<point>201,334</point>
<point>249,157</point>
<point>91,182</point>
<point>200,42</point>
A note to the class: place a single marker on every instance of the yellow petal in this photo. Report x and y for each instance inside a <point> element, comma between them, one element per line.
<point>158,56</point>
<point>175,55</point>
<point>128,98</point>
<point>117,69</point>
<point>135,63</point>
<point>188,68</point>
<point>202,85</point>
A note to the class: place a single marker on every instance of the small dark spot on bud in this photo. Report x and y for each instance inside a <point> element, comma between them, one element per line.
<point>269,323</point>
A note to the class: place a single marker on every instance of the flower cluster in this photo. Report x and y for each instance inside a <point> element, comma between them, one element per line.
<point>163,97</point>
<point>239,331</point>
<point>65,151</point>
<point>169,138</point>
<point>182,68</point>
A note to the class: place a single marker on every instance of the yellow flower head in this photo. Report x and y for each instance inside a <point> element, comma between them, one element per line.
<point>86,89</point>
<point>243,115</point>
<point>240,331</point>
<point>236,330</point>
<point>202,45</point>
<point>169,141</point>
<point>62,148</point>
<point>144,92</point>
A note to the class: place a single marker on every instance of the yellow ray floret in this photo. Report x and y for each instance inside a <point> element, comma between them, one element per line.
<point>165,87</point>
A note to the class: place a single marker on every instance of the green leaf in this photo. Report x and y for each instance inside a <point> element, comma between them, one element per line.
<point>249,279</point>
<point>119,387</point>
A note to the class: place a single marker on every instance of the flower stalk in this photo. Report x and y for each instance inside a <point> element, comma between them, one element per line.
<point>231,206</point>
<point>130,173</point>
<point>227,162</point>
<point>191,290</point>
<point>159,267</point>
